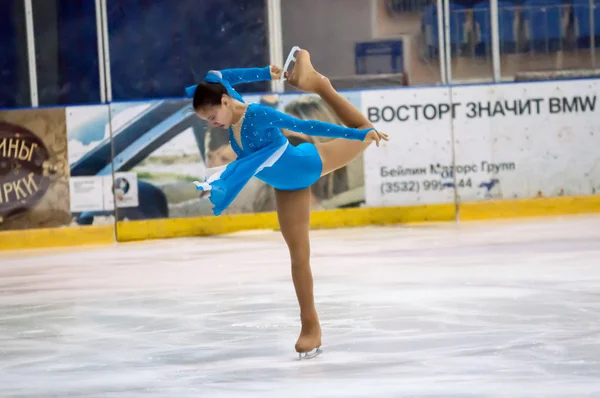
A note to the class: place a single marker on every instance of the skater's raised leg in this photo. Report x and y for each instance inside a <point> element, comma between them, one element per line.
<point>338,152</point>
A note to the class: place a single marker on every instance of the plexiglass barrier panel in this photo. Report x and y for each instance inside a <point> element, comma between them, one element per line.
<point>161,146</point>
<point>49,163</point>
<point>548,38</point>
<point>415,167</point>
<point>90,155</point>
<point>66,47</point>
<point>141,154</point>
<point>50,156</point>
<point>470,40</point>
<point>14,73</point>
<point>516,141</point>
<point>159,149</point>
<point>34,174</point>
<point>159,47</point>
<point>366,44</point>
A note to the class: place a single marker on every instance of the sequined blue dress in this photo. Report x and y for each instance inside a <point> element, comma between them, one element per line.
<point>265,153</point>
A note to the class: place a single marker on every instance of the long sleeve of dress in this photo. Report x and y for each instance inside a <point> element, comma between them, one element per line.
<point>246,75</point>
<point>231,77</point>
<point>267,116</point>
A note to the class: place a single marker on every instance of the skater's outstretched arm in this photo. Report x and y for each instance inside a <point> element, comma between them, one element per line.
<point>266,116</point>
<point>231,77</point>
<point>245,75</point>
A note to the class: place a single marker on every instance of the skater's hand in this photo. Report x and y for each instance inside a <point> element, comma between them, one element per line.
<point>276,72</point>
<point>376,136</point>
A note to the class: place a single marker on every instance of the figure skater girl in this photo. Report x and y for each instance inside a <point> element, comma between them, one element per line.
<point>263,152</point>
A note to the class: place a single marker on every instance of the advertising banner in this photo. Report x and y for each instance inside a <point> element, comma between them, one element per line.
<point>409,168</point>
<point>484,142</point>
<point>34,186</point>
<point>163,147</point>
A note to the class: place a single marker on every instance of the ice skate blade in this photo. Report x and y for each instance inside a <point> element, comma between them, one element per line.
<point>311,354</point>
<point>291,57</point>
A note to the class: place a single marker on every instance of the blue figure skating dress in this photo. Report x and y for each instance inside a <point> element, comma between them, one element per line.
<point>265,153</point>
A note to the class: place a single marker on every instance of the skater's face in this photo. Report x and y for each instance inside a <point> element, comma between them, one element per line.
<point>220,115</point>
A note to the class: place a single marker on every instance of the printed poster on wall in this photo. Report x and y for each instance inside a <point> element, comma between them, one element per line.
<point>508,141</point>
<point>92,137</point>
<point>87,194</point>
<point>411,168</point>
<point>528,140</point>
<point>168,147</point>
<point>98,193</point>
<point>122,190</point>
<point>34,187</point>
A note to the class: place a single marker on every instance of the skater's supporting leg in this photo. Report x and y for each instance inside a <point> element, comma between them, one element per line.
<point>337,153</point>
<point>293,211</point>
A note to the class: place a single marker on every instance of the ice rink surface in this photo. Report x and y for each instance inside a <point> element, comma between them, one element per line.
<point>483,309</point>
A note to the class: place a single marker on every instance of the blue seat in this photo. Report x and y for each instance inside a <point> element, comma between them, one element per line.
<point>544,20</point>
<point>581,12</point>
<point>393,50</point>
<point>506,25</point>
<point>458,19</point>
<point>430,27</point>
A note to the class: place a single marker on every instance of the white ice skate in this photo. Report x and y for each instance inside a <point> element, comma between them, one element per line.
<point>291,57</point>
<point>310,355</point>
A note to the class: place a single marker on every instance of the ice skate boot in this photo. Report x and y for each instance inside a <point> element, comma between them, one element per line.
<point>303,75</point>
<point>308,345</point>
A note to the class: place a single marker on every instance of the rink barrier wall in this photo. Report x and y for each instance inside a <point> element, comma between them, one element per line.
<point>322,219</point>
<point>128,231</point>
<point>558,120</point>
<point>536,207</point>
<point>483,143</point>
<point>57,237</point>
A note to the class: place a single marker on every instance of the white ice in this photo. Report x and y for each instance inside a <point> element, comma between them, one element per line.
<point>485,309</point>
